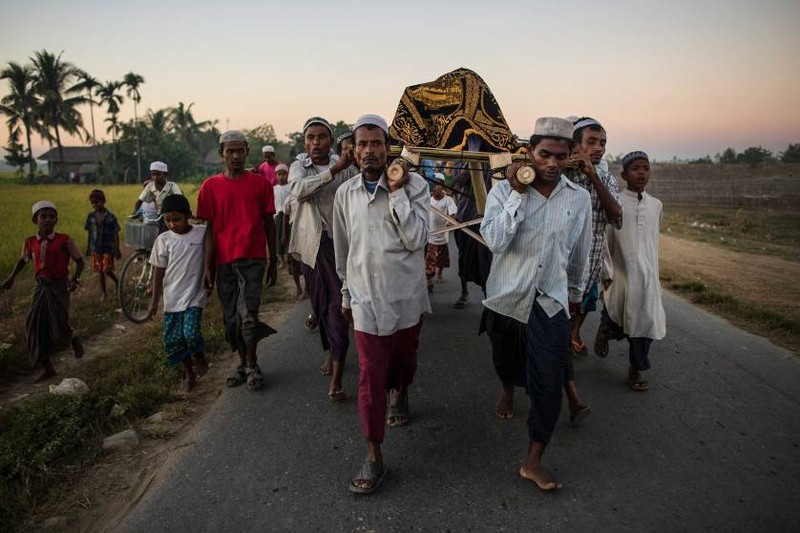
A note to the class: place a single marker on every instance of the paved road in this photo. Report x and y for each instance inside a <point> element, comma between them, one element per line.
<point>714,445</point>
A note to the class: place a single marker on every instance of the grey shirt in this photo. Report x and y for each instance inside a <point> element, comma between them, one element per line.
<point>379,240</point>
<point>314,192</point>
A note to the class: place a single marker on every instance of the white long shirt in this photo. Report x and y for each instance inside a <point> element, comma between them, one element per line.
<point>540,245</point>
<point>633,300</point>
<point>379,240</point>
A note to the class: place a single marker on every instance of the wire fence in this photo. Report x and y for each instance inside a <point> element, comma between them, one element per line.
<point>775,186</point>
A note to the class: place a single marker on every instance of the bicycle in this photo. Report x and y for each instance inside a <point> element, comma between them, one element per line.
<point>135,287</point>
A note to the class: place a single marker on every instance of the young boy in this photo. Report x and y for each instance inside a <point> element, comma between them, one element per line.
<point>178,259</point>
<point>632,295</point>
<point>437,253</point>
<point>102,240</point>
<point>47,326</point>
<point>282,190</point>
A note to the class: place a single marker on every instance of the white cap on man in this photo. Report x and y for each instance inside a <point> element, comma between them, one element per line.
<point>158,166</point>
<point>267,149</point>
<point>372,120</point>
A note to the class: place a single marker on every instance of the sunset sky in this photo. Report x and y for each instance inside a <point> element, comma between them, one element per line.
<point>679,78</point>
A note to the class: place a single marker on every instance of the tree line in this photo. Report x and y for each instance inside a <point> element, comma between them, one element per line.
<point>47,94</point>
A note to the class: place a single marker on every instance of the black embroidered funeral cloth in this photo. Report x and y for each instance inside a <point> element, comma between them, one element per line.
<point>444,112</point>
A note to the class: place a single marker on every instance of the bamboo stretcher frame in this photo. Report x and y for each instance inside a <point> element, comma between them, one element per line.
<point>474,160</point>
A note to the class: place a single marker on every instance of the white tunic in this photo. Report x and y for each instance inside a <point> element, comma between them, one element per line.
<point>633,300</point>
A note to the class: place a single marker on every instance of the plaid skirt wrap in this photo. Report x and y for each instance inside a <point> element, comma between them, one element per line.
<point>239,286</point>
<point>47,326</point>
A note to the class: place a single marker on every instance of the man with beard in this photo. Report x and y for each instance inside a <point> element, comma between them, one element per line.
<point>539,235</point>
<point>314,178</point>
<point>380,228</point>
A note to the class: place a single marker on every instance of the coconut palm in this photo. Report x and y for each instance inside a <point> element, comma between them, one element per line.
<point>109,95</point>
<point>19,104</point>
<point>132,81</point>
<point>59,97</point>
<point>89,84</point>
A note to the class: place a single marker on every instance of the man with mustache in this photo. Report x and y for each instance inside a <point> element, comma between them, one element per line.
<point>539,235</point>
<point>380,228</point>
<point>314,178</point>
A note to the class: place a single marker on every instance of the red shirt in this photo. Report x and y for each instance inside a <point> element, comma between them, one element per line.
<point>237,209</point>
<point>268,171</point>
<point>50,254</point>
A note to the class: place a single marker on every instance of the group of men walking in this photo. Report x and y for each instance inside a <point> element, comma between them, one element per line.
<point>361,237</point>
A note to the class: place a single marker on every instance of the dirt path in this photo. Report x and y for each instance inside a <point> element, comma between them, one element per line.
<point>766,280</point>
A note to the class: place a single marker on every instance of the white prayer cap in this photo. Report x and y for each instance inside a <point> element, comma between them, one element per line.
<point>267,149</point>
<point>42,204</point>
<point>438,177</point>
<point>554,127</point>
<point>373,120</point>
<point>158,166</point>
<point>281,167</point>
<point>232,135</point>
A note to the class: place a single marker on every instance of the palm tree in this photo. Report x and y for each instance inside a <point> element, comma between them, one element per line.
<point>59,96</point>
<point>89,84</point>
<point>110,97</point>
<point>19,104</point>
<point>132,81</point>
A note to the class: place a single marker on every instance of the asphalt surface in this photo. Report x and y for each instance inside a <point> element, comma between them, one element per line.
<point>713,446</point>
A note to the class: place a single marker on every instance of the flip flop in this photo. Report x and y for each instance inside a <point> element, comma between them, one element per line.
<point>635,380</point>
<point>578,347</point>
<point>373,473</point>
<point>238,377</point>
<point>398,411</point>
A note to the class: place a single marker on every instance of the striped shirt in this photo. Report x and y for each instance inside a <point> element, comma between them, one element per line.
<point>379,239</point>
<point>599,217</point>
<point>540,246</point>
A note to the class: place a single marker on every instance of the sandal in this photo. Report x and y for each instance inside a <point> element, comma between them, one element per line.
<point>255,379</point>
<point>398,411</point>
<point>578,347</point>
<point>371,472</point>
<point>238,377</point>
<point>636,381</point>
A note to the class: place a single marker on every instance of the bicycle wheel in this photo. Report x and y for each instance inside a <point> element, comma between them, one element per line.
<point>135,288</point>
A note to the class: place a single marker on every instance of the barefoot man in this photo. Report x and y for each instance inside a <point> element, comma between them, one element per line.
<point>380,228</point>
<point>314,178</point>
<point>540,236</point>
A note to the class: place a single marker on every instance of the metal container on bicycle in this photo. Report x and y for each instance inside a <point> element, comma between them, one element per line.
<point>140,235</point>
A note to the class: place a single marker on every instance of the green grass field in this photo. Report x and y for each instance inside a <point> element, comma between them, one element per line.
<point>72,202</point>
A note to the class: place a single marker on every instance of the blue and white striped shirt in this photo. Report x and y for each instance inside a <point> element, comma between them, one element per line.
<point>540,245</point>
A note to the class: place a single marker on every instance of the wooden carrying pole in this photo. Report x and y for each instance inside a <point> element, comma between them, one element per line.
<point>473,158</point>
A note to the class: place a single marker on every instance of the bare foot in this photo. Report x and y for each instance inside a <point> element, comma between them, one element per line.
<point>77,347</point>
<point>325,368</point>
<point>187,384</point>
<point>504,408</point>
<point>202,364</point>
<point>543,481</point>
